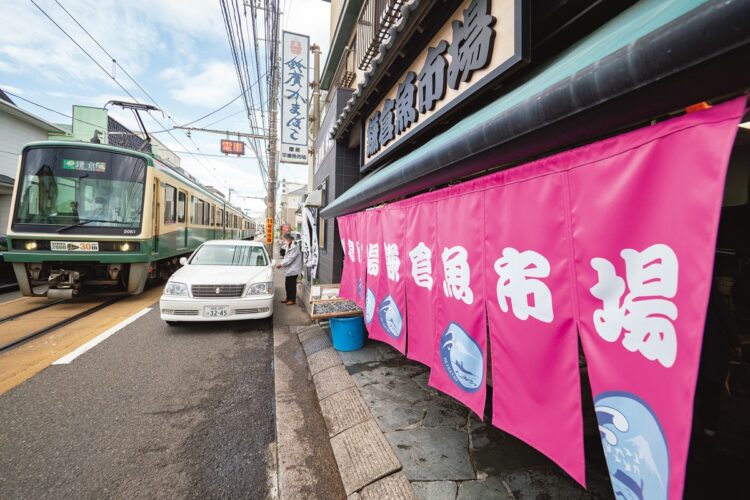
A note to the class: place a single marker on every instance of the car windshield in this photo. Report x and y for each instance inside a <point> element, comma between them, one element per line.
<point>229,255</point>
<point>79,189</point>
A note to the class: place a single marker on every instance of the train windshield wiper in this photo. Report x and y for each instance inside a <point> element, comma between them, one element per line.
<point>86,221</point>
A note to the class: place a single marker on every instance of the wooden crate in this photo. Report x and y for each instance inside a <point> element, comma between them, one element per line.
<point>339,314</point>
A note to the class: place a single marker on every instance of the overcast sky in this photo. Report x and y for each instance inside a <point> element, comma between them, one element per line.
<point>176,49</point>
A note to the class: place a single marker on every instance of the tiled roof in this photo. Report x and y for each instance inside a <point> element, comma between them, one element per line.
<point>5,97</point>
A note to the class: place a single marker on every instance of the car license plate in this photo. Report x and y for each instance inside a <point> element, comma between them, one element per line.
<point>74,246</point>
<point>215,311</point>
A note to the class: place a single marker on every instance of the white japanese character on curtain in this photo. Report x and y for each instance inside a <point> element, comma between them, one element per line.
<point>350,250</point>
<point>516,271</point>
<point>421,265</point>
<point>457,274</point>
<point>392,262</point>
<point>373,263</point>
<point>644,313</point>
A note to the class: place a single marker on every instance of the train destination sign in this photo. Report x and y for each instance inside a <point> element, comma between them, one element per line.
<point>86,166</point>
<point>480,42</point>
<point>229,147</point>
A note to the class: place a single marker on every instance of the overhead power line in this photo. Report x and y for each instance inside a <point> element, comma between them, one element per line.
<point>211,170</point>
<point>211,113</point>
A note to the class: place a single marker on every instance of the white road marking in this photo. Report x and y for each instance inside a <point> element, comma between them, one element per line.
<point>100,338</point>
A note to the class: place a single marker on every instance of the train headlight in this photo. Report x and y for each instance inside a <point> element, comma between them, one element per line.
<point>30,245</point>
<point>124,247</point>
<point>174,288</point>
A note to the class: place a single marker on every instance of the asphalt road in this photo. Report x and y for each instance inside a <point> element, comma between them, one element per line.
<point>152,412</point>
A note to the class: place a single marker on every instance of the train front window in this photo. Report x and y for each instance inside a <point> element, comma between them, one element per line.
<point>82,190</point>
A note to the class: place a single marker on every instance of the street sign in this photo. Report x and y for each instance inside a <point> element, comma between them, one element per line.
<point>269,230</point>
<point>229,147</point>
<point>295,83</point>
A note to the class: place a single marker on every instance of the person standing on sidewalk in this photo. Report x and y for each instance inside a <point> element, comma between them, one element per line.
<point>292,265</point>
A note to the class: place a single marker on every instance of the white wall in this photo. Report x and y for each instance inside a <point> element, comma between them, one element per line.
<point>14,133</point>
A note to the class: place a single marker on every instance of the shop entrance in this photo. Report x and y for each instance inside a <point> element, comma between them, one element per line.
<point>720,444</point>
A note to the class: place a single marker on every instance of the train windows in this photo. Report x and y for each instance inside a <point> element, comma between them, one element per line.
<point>181,207</point>
<point>170,202</point>
<point>220,218</point>
<point>64,186</point>
<point>206,214</point>
<point>193,209</point>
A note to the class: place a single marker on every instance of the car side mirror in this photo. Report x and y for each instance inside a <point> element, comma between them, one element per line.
<point>183,261</point>
<point>273,262</point>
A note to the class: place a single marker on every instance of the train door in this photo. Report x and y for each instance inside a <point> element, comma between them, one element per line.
<point>182,229</point>
<point>156,212</point>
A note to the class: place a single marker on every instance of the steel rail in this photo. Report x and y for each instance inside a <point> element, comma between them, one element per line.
<point>59,324</point>
<point>28,311</point>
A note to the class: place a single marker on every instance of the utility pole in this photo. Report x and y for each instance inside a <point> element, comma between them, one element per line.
<point>275,81</point>
<point>315,49</point>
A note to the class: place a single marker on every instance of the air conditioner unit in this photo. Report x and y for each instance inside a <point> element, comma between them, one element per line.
<point>314,199</point>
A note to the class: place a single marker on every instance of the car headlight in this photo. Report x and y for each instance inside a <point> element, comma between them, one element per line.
<point>264,288</point>
<point>174,288</point>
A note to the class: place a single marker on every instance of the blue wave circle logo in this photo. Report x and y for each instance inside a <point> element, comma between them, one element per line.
<point>634,446</point>
<point>390,317</point>
<point>369,306</point>
<point>462,358</point>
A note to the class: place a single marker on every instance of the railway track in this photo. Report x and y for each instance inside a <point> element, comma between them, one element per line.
<point>21,327</point>
<point>24,312</point>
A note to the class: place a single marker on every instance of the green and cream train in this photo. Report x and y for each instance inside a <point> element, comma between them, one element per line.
<point>93,218</point>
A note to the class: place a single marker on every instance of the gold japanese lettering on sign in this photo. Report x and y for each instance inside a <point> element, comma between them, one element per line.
<point>480,40</point>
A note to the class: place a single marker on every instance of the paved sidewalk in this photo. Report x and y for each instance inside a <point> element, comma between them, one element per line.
<point>444,450</point>
<point>306,465</point>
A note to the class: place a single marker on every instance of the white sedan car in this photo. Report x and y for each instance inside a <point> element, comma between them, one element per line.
<point>222,280</point>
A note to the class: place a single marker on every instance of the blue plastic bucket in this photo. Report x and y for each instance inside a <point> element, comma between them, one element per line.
<point>348,334</point>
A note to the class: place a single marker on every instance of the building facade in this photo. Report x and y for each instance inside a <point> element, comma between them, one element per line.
<point>335,170</point>
<point>17,127</point>
<point>445,96</point>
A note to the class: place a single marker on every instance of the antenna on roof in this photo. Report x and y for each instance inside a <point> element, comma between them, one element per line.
<point>135,107</point>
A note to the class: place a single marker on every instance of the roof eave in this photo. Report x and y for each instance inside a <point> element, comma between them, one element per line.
<point>29,118</point>
<point>644,78</point>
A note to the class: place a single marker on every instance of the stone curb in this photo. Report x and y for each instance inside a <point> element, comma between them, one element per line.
<point>363,455</point>
<point>332,380</point>
<point>368,466</point>
<point>322,360</point>
<point>315,343</point>
<point>393,487</point>
<point>344,410</point>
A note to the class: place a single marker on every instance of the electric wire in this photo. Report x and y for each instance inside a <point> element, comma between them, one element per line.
<point>197,159</point>
<point>51,110</point>
<point>236,44</point>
